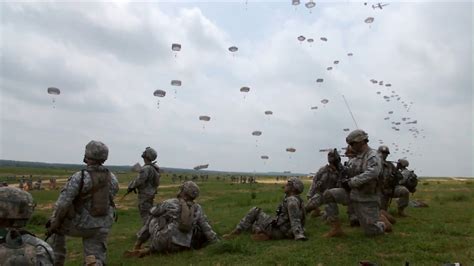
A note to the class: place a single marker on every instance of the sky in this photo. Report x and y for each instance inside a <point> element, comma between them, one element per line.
<point>108,59</point>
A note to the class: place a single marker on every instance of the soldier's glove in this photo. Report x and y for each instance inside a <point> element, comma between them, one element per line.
<point>345,185</point>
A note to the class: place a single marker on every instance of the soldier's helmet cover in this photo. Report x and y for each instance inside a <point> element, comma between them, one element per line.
<point>383,149</point>
<point>96,150</point>
<point>357,135</point>
<point>403,162</point>
<point>149,154</point>
<point>190,189</point>
<point>297,184</point>
<point>16,205</point>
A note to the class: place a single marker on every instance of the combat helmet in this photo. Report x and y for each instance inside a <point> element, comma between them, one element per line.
<point>297,184</point>
<point>16,206</point>
<point>403,162</point>
<point>383,149</point>
<point>190,189</point>
<point>96,150</point>
<point>357,135</point>
<point>149,154</point>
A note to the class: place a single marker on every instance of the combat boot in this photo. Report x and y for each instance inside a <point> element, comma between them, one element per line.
<point>336,230</point>
<point>390,218</point>
<point>388,225</point>
<point>137,246</point>
<point>232,234</point>
<point>401,212</point>
<point>316,213</point>
<point>260,237</point>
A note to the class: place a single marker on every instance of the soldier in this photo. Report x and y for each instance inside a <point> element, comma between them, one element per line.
<point>327,177</point>
<point>391,188</point>
<point>409,180</point>
<point>363,183</point>
<point>21,185</point>
<point>147,183</point>
<point>288,223</point>
<point>85,208</point>
<point>18,246</point>
<point>52,183</point>
<point>175,224</point>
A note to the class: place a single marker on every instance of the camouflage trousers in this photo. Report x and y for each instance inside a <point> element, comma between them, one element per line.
<point>401,193</point>
<point>258,221</point>
<point>145,203</point>
<point>94,243</point>
<point>369,217</point>
<point>334,196</point>
<point>315,201</point>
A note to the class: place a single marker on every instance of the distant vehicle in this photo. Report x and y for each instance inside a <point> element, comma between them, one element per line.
<point>379,5</point>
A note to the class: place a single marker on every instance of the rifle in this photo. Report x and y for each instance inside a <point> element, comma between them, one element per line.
<point>128,192</point>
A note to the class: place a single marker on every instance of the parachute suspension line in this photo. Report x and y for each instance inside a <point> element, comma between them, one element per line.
<point>350,111</point>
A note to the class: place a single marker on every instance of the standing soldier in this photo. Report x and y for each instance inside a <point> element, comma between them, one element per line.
<point>175,224</point>
<point>18,246</point>
<point>391,188</point>
<point>147,183</point>
<point>328,176</point>
<point>288,223</point>
<point>85,208</point>
<point>363,183</point>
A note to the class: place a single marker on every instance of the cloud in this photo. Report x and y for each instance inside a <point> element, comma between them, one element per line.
<point>107,59</point>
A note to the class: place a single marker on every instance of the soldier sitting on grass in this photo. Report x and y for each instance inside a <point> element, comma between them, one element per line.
<point>288,223</point>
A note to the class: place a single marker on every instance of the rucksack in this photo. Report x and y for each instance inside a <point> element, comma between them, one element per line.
<point>411,182</point>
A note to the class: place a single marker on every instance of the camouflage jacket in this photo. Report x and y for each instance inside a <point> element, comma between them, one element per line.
<point>290,216</point>
<point>166,216</point>
<point>42,251</point>
<point>147,181</point>
<point>391,177</point>
<point>326,178</point>
<point>79,186</point>
<point>365,170</point>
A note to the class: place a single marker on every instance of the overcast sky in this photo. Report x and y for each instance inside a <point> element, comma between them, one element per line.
<point>108,59</point>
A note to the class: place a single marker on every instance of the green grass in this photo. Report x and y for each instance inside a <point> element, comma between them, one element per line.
<point>443,232</point>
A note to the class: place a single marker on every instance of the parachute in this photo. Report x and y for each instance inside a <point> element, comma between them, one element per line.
<point>324,39</point>
<point>301,38</point>
<point>346,129</point>
<point>349,54</point>
<point>374,81</point>
<point>369,20</point>
<point>295,2</point>
<point>319,80</point>
<point>264,157</point>
<point>233,49</point>
<point>381,83</point>
<point>244,89</point>
<point>388,85</point>
<point>329,68</point>
<point>386,118</point>
<point>161,94</point>
<point>324,101</point>
<point>336,62</point>
<point>175,47</point>
<point>310,40</point>
<point>314,108</point>
<point>204,118</point>
<point>268,112</point>
<point>177,83</point>
<point>378,92</point>
<point>390,112</point>
<point>54,91</point>
<point>310,5</point>
<point>290,149</point>
<point>257,133</point>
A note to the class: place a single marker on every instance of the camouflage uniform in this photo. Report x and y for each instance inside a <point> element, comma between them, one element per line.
<point>364,171</point>
<point>288,223</point>
<point>77,213</point>
<point>147,183</point>
<point>326,178</point>
<point>17,246</point>
<point>391,189</point>
<point>167,231</point>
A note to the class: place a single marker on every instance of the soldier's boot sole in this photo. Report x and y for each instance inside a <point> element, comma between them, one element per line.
<point>388,225</point>
<point>260,237</point>
<point>390,218</point>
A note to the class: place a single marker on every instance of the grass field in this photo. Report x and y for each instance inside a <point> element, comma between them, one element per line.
<point>441,233</point>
